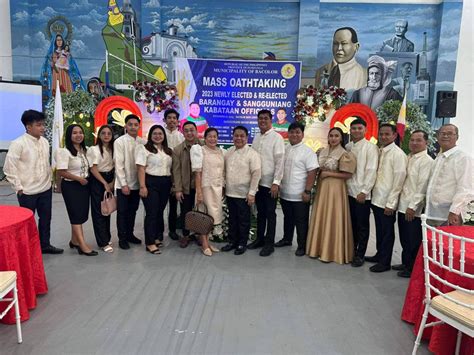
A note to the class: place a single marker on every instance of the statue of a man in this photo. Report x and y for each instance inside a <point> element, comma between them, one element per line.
<point>378,89</point>
<point>398,43</point>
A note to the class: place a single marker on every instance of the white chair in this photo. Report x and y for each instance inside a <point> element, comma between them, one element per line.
<point>7,284</point>
<point>456,307</point>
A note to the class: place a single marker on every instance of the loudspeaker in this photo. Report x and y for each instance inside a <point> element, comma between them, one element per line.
<point>446,104</point>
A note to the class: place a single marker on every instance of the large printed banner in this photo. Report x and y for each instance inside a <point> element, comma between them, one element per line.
<point>227,93</point>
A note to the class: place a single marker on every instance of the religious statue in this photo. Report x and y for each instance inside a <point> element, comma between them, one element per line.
<point>59,65</point>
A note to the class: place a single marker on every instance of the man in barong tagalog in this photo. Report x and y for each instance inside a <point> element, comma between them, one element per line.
<point>378,89</point>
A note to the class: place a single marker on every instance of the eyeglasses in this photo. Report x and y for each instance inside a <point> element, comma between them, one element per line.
<point>446,134</point>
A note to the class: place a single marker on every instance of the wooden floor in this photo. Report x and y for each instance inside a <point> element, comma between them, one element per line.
<point>181,302</point>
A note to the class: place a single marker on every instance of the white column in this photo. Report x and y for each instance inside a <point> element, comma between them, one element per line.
<point>6,64</point>
<point>464,81</point>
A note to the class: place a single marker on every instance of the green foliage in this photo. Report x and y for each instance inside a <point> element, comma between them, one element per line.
<point>416,119</point>
<point>78,107</point>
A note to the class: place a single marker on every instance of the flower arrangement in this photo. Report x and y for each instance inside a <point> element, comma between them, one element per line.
<point>468,214</point>
<point>78,107</point>
<point>312,103</point>
<point>157,96</point>
<point>415,119</point>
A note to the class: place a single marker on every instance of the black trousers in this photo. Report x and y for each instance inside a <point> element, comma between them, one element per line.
<point>266,216</point>
<point>186,206</point>
<point>239,220</point>
<point>360,216</point>
<point>385,235</point>
<point>40,203</point>
<point>127,207</point>
<point>410,239</point>
<point>173,212</point>
<point>296,214</point>
<point>100,223</point>
<point>159,188</point>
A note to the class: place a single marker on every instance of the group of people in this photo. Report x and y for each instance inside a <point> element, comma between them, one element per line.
<point>172,166</point>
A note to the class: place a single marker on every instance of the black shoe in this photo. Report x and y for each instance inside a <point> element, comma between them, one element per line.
<point>51,250</point>
<point>228,247</point>
<point>266,251</point>
<point>404,273</point>
<point>183,242</point>
<point>282,243</point>
<point>134,240</point>
<point>255,244</point>
<point>173,235</point>
<point>379,268</point>
<point>300,252</point>
<point>91,253</point>
<point>372,259</point>
<point>123,244</point>
<point>398,267</point>
<point>72,245</point>
<point>239,250</point>
<point>357,262</point>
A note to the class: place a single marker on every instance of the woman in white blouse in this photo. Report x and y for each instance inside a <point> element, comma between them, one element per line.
<point>73,167</point>
<point>101,164</point>
<point>153,161</point>
<point>207,163</point>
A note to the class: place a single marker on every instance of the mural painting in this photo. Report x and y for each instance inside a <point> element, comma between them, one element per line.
<point>336,42</point>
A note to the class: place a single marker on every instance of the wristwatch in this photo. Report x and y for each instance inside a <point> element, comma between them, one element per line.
<point>307,192</point>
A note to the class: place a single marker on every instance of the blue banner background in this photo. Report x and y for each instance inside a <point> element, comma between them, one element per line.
<point>230,92</point>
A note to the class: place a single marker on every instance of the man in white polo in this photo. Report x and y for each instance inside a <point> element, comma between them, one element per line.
<point>451,185</point>
<point>271,147</point>
<point>300,167</point>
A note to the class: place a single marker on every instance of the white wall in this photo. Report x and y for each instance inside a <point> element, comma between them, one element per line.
<point>464,80</point>
<point>6,68</point>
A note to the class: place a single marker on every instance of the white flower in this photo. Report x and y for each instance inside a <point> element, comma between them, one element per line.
<point>310,101</point>
<point>328,99</point>
<point>321,111</point>
<point>468,213</point>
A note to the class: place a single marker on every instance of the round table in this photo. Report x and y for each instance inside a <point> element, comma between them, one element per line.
<point>442,338</point>
<point>20,251</point>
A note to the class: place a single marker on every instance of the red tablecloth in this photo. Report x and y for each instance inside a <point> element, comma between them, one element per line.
<point>442,338</point>
<point>20,251</point>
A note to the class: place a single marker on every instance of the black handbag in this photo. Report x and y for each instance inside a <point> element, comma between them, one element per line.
<point>199,222</point>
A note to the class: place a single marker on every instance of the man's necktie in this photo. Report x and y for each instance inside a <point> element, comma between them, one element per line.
<point>396,46</point>
<point>335,77</point>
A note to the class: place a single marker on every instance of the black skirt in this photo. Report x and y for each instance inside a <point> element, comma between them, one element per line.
<point>76,197</point>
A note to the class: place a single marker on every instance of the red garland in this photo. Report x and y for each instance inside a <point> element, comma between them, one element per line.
<point>362,111</point>
<point>111,103</point>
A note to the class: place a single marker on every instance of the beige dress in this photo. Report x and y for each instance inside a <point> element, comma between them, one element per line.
<point>330,229</point>
<point>211,163</point>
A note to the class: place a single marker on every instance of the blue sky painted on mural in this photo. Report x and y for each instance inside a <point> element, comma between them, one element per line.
<point>244,29</point>
<point>29,42</point>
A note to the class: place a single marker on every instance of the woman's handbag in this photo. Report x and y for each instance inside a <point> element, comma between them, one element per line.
<point>199,222</point>
<point>108,204</point>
